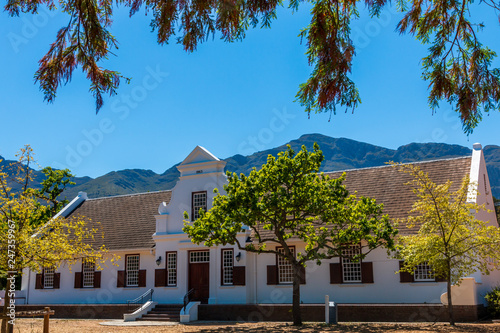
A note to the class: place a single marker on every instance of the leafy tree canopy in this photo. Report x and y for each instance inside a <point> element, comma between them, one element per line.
<point>32,237</point>
<point>457,67</point>
<point>41,240</point>
<point>288,201</point>
<point>450,239</point>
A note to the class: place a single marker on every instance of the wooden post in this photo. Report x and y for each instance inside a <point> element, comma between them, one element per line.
<point>46,320</point>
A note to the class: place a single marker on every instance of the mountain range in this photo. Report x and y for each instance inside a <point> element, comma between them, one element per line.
<point>340,154</point>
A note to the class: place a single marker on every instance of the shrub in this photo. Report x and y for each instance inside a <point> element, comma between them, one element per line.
<point>493,299</point>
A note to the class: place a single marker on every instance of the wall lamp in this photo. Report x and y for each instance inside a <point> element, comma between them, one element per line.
<point>238,257</point>
<point>158,261</point>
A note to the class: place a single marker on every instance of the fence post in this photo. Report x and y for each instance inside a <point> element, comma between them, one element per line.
<point>46,320</point>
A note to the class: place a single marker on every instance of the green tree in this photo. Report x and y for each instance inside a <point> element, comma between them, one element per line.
<point>32,237</point>
<point>450,239</point>
<point>288,200</point>
<point>458,66</point>
<point>52,187</point>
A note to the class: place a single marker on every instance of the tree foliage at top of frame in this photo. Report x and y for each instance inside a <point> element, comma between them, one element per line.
<point>457,67</point>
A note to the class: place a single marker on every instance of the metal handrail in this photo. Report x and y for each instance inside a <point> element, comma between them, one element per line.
<point>147,296</point>
<point>187,298</point>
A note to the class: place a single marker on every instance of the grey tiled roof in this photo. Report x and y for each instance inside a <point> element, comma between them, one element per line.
<point>387,184</point>
<point>127,221</point>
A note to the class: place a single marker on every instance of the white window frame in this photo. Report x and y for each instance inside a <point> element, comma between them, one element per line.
<point>423,273</point>
<point>88,270</point>
<point>199,200</point>
<point>132,272</point>
<point>171,266</point>
<point>227,267</point>
<point>285,268</point>
<point>351,271</point>
<point>199,256</point>
<point>48,278</point>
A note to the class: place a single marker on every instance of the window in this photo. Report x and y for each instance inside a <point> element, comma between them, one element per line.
<point>88,274</point>
<point>199,256</point>
<point>285,269</point>
<point>199,201</point>
<point>351,271</point>
<point>132,270</point>
<point>171,268</point>
<point>423,272</point>
<point>227,267</point>
<point>48,278</point>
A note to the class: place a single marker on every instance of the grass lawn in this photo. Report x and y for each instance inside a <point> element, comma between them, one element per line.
<point>92,326</point>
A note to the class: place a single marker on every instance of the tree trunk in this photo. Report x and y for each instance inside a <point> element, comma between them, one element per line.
<point>297,316</point>
<point>450,304</point>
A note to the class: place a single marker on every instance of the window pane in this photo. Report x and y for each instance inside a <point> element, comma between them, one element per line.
<point>227,266</point>
<point>423,272</point>
<point>88,274</point>
<point>199,202</point>
<point>132,271</point>
<point>199,256</point>
<point>285,269</point>
<point>172,269</point>
<point>48,278</point>
<point>351,271</point>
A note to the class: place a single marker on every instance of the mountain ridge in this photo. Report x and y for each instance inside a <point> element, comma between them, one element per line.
<point>340,154</point>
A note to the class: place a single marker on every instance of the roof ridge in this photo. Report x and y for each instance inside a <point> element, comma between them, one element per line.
<point>326,172</point>
<point>128,195</point>
<point>387,166</point>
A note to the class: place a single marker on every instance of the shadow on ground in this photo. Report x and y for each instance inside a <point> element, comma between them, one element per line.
<point>352,327</point>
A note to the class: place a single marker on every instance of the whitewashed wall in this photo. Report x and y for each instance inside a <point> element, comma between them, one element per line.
<point>385,289</point>
<point>479,176</point>
<point>218,294</point>
<point>107,294</point>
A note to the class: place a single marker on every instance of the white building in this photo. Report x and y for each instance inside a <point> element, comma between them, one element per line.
<point>145,230</point>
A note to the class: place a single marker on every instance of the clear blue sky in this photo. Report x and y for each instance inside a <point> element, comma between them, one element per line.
<point>229,98</point>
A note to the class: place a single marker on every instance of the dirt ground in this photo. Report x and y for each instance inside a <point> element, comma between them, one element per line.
<point>92,326</point>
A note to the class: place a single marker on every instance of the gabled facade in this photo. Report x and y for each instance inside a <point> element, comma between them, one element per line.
<point>145,230</point>
<point>214,273</point>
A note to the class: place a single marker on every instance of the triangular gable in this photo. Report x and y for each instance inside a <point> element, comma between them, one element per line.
<point>199,155</point>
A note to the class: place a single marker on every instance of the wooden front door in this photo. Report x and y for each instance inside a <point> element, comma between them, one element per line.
<point>199,276</point>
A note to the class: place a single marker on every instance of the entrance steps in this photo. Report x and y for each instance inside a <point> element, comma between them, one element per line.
<point>164,312</point>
